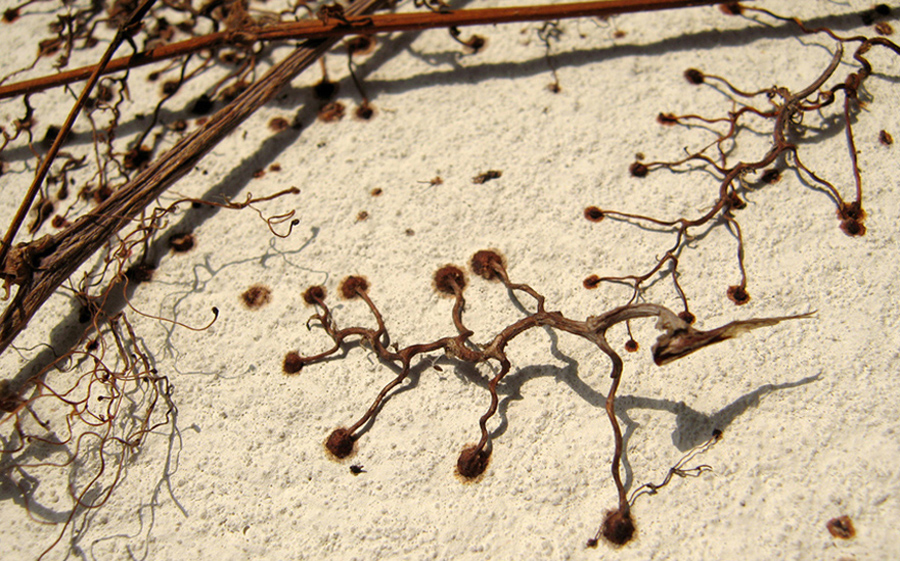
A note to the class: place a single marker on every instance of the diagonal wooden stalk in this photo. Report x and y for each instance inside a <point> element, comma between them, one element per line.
<point>43,265</point>
<point>358,25</point>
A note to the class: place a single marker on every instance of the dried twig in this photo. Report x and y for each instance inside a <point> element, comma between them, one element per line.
<point>354,25</point>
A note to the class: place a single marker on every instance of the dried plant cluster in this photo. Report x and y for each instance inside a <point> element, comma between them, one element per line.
<point>92,225</point>
<point>782,114</point>
<point>679,339</point>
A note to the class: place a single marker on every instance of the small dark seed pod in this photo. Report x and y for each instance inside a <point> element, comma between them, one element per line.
<point>472,462</point>
<point>351,285</point>
<point>637,169</point>
<point>694,76</point>
<point>293,363</point>
<point>314,294</point>
<point>484,264</point>
<point>593,214</point>
<point>591,282</point>
<point>738,295</point>
<point>618,527</point>
<point>340,443</point>
<point>448,278</point>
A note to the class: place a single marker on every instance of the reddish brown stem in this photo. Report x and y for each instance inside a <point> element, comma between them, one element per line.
<point>355,25</point>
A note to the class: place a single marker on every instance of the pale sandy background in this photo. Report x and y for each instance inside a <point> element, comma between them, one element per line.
<point>809,409</point>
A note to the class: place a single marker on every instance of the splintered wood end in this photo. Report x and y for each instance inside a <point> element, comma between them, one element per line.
<point>680,339</point>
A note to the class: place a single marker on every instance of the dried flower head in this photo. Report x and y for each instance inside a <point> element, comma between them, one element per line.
<point>486,262</point>
<point>448,279</point>
<point>314,294</point>
<point>352,286</point>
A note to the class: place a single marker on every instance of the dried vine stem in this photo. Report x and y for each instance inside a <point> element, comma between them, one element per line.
<point>678,340</point>
<point>38,268</point>
<point>355,25</point>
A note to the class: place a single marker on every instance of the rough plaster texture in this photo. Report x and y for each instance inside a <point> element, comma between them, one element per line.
<point>808,408</point>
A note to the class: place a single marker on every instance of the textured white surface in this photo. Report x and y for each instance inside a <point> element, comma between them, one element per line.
<point>808,409</point>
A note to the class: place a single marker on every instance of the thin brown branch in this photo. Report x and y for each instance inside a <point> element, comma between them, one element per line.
<point>355,25</point>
